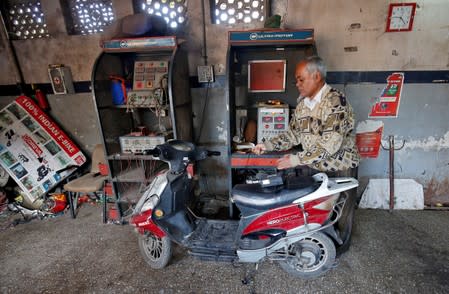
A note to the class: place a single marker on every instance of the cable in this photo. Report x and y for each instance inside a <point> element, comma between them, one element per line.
<point>203,113</point>
<point>203,16</point>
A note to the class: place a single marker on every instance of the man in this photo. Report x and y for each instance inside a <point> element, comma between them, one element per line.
<point>322,123</point>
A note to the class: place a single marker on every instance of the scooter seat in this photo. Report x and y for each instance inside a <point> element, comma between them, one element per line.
<point>254,197</point>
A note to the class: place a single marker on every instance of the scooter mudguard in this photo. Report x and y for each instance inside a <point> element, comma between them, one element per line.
<point>143,222</point>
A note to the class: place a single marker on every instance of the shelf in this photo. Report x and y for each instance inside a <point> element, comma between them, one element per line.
<point>240,160</point>
<point>131,194</point>
<point>250,160</point>
<point>166,107</point>
<point>138,173</point>
<point>122,156</point>
<point>131,175</point>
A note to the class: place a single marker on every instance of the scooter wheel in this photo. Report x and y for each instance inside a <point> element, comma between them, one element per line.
<point>155,251</point>
<point>310,257</point>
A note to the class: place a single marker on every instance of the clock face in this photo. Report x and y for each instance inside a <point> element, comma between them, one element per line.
<point>400,17</point>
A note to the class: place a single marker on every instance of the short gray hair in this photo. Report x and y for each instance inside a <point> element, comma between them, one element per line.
<point>316,64</point>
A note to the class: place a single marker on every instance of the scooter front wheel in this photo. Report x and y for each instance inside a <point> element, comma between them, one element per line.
<point>155,251</point>
<point>310,257</point>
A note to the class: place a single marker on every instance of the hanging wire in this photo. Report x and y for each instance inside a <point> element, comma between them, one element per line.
<point>203,113</point>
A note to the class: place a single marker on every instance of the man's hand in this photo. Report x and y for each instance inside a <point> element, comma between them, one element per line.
<point>284,162</point>
<point>259,148</point>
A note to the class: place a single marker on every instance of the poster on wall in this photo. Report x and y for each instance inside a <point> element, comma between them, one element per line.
<point>33,149</point>
<point>388,103</point>
<point>368,137</point>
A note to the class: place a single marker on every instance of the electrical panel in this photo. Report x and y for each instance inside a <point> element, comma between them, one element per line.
<point>271,121</point>
<point>149,75</point>
<point>205,74</point>
<point>149,85</point>
<point>139,144</point>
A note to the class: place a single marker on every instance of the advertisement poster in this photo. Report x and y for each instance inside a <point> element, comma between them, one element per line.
<point>388,104</point>
<point>33,148</point>
<point>368,137</point>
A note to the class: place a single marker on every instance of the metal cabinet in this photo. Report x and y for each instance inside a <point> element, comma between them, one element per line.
<point>261,68</point>
<point>141,93</point>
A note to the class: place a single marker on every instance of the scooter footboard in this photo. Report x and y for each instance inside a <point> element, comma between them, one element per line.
<point>213,240</point>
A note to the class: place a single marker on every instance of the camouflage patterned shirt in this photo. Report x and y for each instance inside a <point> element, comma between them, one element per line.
<point>325,133</point>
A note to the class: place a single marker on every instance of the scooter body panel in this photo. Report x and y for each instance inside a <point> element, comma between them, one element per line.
<point>143,222</point>
<point>171,212</point>
<point>288,217</point>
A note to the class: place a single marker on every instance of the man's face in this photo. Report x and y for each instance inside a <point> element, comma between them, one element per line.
<point>308,84</point>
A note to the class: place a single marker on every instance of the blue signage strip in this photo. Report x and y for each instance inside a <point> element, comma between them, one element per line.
<point>270,36</point>
<point>139,43</point>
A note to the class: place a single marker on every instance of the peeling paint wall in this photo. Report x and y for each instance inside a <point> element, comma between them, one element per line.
<point>429,144</point>
<point>361,25</point>
<point>422,123</point>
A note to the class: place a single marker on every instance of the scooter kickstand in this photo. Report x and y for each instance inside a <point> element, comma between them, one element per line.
<point>249,275</point>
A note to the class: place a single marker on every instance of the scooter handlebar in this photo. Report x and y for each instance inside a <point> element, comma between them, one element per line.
<point>213,153</point>
<point>154,152</point>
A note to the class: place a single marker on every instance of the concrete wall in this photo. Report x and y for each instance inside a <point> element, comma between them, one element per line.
<point>348,23</point>
<point>422,123</point>
<point>338,24</point>
<point>426,47</point>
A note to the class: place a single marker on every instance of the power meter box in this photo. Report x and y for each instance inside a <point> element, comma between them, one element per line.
<point>61,79</point>
<point>130,144</point>
<point>272,120</point>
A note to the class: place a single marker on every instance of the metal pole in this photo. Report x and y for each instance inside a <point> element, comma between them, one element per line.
<point>391,141</point>
<point>391,149</point>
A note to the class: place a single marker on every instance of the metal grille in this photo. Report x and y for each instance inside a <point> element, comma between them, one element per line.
<point>89,16</point>
<point>26,20</point>
<point>173,11</point>
<point>238,11</point>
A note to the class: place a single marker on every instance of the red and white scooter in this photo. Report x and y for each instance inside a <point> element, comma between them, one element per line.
<point>292,221</point>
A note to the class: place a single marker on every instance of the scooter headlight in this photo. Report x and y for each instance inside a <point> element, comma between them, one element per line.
<point>150,203</point>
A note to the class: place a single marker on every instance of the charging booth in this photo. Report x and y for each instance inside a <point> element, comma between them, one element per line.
<point>261,93</point>
<point>142,98</point>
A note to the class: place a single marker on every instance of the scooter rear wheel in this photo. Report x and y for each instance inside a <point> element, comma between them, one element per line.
<point>310,257</point>
<point>155,251</point>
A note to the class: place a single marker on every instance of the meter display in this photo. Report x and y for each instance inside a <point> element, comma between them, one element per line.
<point>271,121</point>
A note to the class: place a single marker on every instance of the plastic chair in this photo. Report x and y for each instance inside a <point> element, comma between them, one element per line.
<point>89,183</point>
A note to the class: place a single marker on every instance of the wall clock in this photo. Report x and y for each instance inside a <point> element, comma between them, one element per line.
<point>400,17</point>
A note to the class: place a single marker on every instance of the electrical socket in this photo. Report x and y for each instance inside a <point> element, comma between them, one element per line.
<point>219,69</point>
<point>205,73</point>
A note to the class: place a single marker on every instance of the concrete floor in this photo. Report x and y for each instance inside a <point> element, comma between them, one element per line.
<point>399,252</point>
